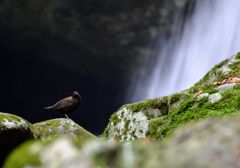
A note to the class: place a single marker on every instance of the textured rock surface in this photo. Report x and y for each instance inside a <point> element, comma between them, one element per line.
<point>225,87</point>
<point>213,98</point>
<point>210,143</point>
<point>14,130</point>
<point>203,95</point>
<point>60,127</point>
<point>189,105</point>
<point>130,125</point>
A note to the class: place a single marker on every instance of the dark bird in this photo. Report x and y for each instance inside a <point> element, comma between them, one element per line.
<point>67,105</point>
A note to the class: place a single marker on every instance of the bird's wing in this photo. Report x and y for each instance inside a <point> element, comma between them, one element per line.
<point>62,103</point>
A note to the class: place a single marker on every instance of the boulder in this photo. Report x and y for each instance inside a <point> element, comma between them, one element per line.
<point>14,131</point>
<point>159,117</point>
<point>60,127</point>
<point>210,143</point>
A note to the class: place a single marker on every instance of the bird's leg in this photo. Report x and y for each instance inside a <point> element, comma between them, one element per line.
<point>67,116</point>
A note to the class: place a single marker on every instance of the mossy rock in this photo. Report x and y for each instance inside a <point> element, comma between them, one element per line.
<point>61,153</point>
<point>14,130</point>
<point>64,152</point>
<point>210,143</point>
<point>203,100</point>
<point>60,127</point>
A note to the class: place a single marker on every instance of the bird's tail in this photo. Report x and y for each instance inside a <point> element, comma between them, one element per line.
<point>48,108</point>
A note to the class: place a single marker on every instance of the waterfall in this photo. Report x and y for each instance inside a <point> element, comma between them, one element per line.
<point>210,35</point>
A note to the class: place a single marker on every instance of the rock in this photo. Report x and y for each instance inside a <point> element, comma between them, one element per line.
<point>224,69</point>
<point>163,115</point>
<point>60,127</point>
<point>14,130</point>
<point>213,98</point>
<point>61,153</point>
<point>225,87</point>
<point>131,121</point>
<point>210,143</point>
<point>129,126</point>
<point>64,153</point>
<point>201,96</point>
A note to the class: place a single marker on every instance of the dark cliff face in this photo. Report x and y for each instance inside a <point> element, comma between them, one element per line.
<point>50,48</point>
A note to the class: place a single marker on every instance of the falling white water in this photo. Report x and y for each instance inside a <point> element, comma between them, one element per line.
<point>209,36</point>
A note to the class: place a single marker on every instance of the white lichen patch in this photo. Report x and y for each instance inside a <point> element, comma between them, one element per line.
<point>67,127</point>
<point>10,123</point>
<point>58,128</point>
<point>93,147</point>
<point>64,153</point>
<point>129,126</point>
<point>61,149</point>
<point>61,130</point>
<point>60,154</point>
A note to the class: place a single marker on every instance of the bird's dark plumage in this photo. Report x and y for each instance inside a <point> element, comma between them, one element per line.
<point>67,105</point>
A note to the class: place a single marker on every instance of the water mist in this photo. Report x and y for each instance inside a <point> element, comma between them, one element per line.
<point>210,35</point>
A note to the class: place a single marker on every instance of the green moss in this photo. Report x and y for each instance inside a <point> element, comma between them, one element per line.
<point>193,110</point>
<point>175,98</point>
<point>213,71</point>
<point>205,85</point>
<point>34,153</point>
<point>209,87</point>
<point>60,127</point>
<point>158,127</point>
<point>11,117</point>
<point>183,107</point>
<point>113,119</point>
<point>149,103</point>
<point>22,155</point>
<point>235,69</point>
<point>238,55</point>
<point>188,110</point>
